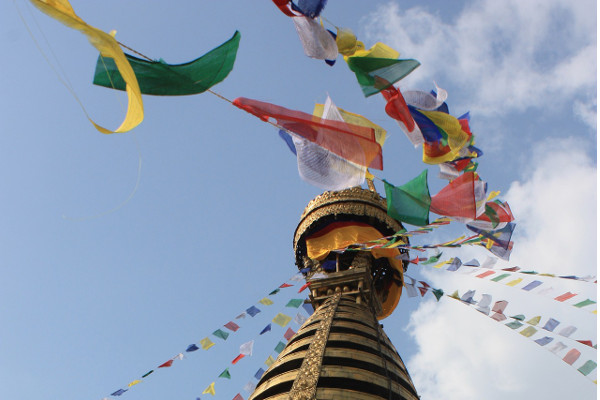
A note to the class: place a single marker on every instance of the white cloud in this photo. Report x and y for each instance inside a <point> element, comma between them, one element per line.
<point>465,355</point>
<point>508,55</point>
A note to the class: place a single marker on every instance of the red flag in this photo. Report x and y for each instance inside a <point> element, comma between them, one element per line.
<point>457,199</point>
<point>485,274</point>
<point>238,358</point>
<point>285,285</point>
<point>283,5</point>
<point>232,326</point>
<point>425,284</point>
<point>586,342</point>
<point>571,356</point>
<point>352,142</point>
<point>565,296</point>
<point>289,334</point>
<point>513,269</point>
<point>304,287</point>
<point>423,290</point>
<point>167,364</point>
<point>396,107</point>
<point>415,260</point>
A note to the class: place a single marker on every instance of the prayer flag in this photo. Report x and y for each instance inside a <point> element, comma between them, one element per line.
<point>284,285</point>
<point>310,8</point>
<point>423,290</point>
<point>252,311</point>
<point>289,334</point>
<point>557,347</point>
<point>106,44</point>
<point>162,79</point>
<point>459,197</point>
<point>299,319</point>
<point>565,296</point>
<point>232,326</point>
<point>147,373</point>
<point>274,292</point>
<point>375,74</point>
<point>308,308</point>
<point>584,303</point>
<point>259,374</point>
<point>303,287</point>
<point>266,301</point>
<point>586,342</point>
<point>166,364</point>
<point>551,324</point>
<point>468,297</point>
<point>500,306</point>
<point>246,348</point>
<point>279,348</point>
<point>500,277</point>
<point>346,42</point>
<point>514,324</point>
<point>397,109</point>
<point>249,387</point>
<point>498,316</point>
<point>206,343</point>
<point>238,397</point>
<point>351,142</point>
<point>119,392</point>
<point>134,383</point>
<point>485,274</point>
<point>571,356</point>
<point>192,347</point>
<point>409,202</point>
<point>484,304</point>
<point>221,334</point>
<point>588,367</point>
<point>472,263</point>
<point>225,374</point>
<point>282,319</point>
<point>411,290</point>
<point>529,331</point>
<point>269,361</point>
<point>519,317</point>
<point>568,331</point>
<point>210,389</point>
<point>238,358</point>
<point>532,285</point>
<point>514,282</point>
<point>438,293</point>
<point>534,321</point>
<point>241,316</point>
<point>265,329</point>
<point>454,264</point>
<point>295,303</point>
<point>544,341</point>
<point>316,41</point>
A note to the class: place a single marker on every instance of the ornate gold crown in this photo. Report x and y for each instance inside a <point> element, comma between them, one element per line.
<point>354,204</point>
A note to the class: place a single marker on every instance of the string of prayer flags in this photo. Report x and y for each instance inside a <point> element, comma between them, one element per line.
<point>351,142</point>
<point>161,79</point>
<point>106,44</point>
<point>410,202</point>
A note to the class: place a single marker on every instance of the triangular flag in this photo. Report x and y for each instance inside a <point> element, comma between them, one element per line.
<point>246,348</point>
<point>410,202</point>
<point>210,389</point>
<point>166,364</point>
<point>265,329</point>
<point>225,374</point>
<point>284,285</point>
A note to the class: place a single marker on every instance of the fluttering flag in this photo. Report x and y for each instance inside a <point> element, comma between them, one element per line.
<point>529,331</point>
<point>557,347</point>
<point>351,142</point>
<point>454,264</point>
<point>550,324</point>
<point>232,326</point>
<point>588,367</point>
<point>192,347</point>
<point>310,8</point>
<point>274,292</point>
<point>106,44</point>
<point>269,361</point>
<point>571,356</point>
<point>346,41</point>
<point>265,329</point>
<point>279,348</point>
<point>282,319</point>
<point>238,358</point>
<point>259,374</point>
<point>459,198</point>
<point>225,374</point>
<point>468,297</point>
<point>378,68</point>
<point>166,364</point>
<point>162,79</point>
<point>289,334</point>
<point>323,168</point>
<point>118,392</point>
<point>246,348</point>
<point>303,287</point>
<point>210,389</point>
<point>221,334</point>
<point>397,109</point>
<point>496,215</point>
<point>206,343</point>
<point>544,340</point>
<point>566,296</point>
<point>411,289</point>
<point>299,319</point>
<point>238,397</point>
<point>294,303</point>
<point>584,303</point>
<point>428,101</point>
<point>531,285</point>
<point>285,285</point>
<point>567,331</point>
<point>265,301</point>
<point>252,311</point>
<point>409,202</point>
<point>147,373</point>
<point>308,308</point>
<point>133,383</point>
<point>317,41</point>
<point>483,305</point>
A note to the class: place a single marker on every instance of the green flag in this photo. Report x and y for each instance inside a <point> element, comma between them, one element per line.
<point>375,74</point>
<point>280,346</point>
<point>162,79</point>
<point>295,303</point>
<point>438,293</point>
<point>410,202</point>
<point>588,367</point>
<point>225,374</point>
<point>221,334</point>
<point>584,303</point>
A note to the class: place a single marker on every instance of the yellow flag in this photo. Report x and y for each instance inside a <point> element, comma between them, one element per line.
<point>266,302</point>
<point>440,265</point>
<point>210,389</point>
<point>379,50</point>
<point>62,11</point>
<point>514,282</point>
<point>534,321</point>
<point>282,319</point>
<point>529,331</point>
<point>206,343</point>
<point>134,383</point>
<point>270,361</point>
<point>346,42</point>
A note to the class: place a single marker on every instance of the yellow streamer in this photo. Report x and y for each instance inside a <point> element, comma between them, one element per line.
<point>62,11</point>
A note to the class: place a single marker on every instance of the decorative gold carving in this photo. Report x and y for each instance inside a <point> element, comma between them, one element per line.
<point>305,384</point>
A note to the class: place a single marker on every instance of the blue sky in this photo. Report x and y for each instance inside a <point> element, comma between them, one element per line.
<point>99,287</point>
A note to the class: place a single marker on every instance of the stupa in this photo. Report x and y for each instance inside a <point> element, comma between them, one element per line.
<point>341,351</point>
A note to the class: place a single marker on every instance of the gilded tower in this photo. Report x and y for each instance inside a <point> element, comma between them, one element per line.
<point>341,351</point>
